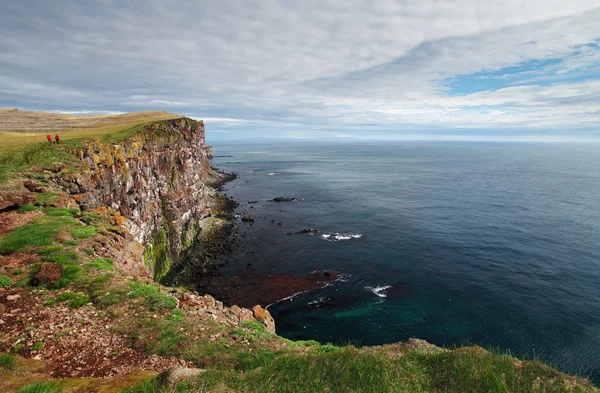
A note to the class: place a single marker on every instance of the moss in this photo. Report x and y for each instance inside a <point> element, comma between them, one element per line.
<point>156,256</point>
<point>5,281</point>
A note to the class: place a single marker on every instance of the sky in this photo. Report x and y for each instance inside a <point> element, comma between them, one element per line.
<point>322,69</point>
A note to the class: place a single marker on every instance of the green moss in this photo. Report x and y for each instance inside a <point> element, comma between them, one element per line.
<point>156,256</point>
<point>18,271</point>
<point>5,281</point>
<point>7,361</point>
<point>70,242</point>
<point>27,208</point>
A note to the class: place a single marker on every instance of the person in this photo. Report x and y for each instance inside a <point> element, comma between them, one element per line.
<point>57,138</point>
<point>49,138</point>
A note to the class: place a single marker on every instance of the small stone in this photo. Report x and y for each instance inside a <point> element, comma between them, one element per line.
<point>13,298</point>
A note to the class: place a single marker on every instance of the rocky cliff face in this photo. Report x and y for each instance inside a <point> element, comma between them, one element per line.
<point>157,179</point>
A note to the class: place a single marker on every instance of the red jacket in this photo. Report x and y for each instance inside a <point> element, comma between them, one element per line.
<point>49,138</point>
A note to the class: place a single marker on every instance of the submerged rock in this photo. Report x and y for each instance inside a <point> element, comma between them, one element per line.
<point>285,199</point>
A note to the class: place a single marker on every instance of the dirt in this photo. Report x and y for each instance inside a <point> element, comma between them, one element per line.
<point>11,220</point>
<point>73,342</point>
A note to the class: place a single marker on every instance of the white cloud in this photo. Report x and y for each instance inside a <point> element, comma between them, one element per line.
<point>310,65</point>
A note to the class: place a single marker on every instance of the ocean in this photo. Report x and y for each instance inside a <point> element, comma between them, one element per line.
<point>494,244</point>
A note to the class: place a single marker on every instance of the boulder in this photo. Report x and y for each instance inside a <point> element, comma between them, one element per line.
<point>13,200</point>
<point>33,186</point>
<point>173,376</point>
<point>264,316</point>
<point>248,219</point>
<point>49,272</point>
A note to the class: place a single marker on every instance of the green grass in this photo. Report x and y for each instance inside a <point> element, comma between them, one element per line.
<point>17,271</point>
<point>148,386</point>
<point>350,370</point>
<point>142,290</point>
<point>37,233</point>
<point>84,232</point>
<point>7,361</point>
<point>5,281</point>
<point>45,198</point>
<point>56,212</point>
<point>176,315</point>
<point>41,387</point>
<point>161,300</point>
<point>27,208</point>
<point>75,300</point>
<point>102,264</point>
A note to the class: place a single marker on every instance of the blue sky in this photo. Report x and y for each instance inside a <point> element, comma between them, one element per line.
<point>353,69</point>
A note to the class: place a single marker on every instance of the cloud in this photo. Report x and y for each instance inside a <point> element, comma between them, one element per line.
<point>310,67</point>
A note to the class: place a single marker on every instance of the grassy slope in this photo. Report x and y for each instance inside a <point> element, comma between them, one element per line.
<point>244,359</point>
<point>27,148</point>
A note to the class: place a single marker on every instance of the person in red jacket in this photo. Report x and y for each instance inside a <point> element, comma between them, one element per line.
<point>57,138</point>
<point>49,138</point>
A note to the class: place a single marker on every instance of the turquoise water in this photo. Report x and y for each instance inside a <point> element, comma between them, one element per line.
<point>495,244</point>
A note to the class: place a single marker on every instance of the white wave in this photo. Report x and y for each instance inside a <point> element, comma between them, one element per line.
<point>290,298</point>
<point>271,173</point>
<point>379,291</point>
<point>336,237</point>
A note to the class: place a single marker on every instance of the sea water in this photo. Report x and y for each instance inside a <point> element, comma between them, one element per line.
<point>495,244</point>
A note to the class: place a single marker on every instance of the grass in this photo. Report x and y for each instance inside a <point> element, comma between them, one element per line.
<point>5,281</point>
<point>469,370</point>
<point>101,264</point>
<point>7,361</point>
<point>22,151</point>
<point>27,208</point>
<point>41,387</point>
<point>39,232</point>
<point>75,300</point>
<point>142,290</point>
<point>148,386</point>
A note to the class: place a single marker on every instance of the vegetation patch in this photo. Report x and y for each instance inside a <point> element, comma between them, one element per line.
<point>142,290</point>
<point>27,208</point>
<point>41,387</point>
<point>84,232</point>
<point>37,233</point>
<point>45,198</point>
<point>101,264</point>
<point>156,256</point>
<point>75,300</point>
<point>7,361</point>
<point>5,281</point>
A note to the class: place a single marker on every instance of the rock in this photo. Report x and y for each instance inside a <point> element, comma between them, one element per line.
<point>309,231</point>
<point>73,189</point>
<point>285,199</point>
<point>33,186</point>
<point>248,219</point>
<point>12,298</point>
<point>173,376</point>
<point>263,316</point>
<point>13,200</point>
<point>101,239</point>
<point>49,272</point>
<point>252,201</point>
